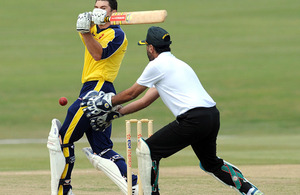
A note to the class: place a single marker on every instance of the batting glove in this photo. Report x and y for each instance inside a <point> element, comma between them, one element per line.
<point>83,24</point>
<point>98,16</point>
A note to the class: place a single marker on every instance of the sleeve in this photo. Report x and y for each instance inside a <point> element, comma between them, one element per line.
<point>114,44</point>
<point>150,76</point>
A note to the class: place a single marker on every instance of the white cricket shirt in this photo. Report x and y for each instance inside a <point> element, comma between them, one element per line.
<point>176,83</point>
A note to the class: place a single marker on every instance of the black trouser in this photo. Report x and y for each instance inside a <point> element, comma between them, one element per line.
<point>199,128</point>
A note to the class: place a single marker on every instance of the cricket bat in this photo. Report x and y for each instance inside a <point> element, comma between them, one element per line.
<point>137,17</point>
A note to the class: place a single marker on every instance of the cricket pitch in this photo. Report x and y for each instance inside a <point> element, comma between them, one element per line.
<point>271,179</point>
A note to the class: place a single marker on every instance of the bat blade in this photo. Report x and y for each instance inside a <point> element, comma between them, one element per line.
<point>139,17</point>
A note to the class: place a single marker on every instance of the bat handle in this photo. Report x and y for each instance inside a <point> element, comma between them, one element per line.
<point>107,19</point>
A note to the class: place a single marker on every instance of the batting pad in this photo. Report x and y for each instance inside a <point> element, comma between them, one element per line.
<point>108,167</point>
<point>144,165</point>
<point>57,158</point>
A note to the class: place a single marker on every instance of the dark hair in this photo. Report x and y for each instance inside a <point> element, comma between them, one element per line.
<point>162,49</point>
<point>112,3</point>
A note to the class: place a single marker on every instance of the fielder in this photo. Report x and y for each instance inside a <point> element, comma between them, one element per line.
<point>105,47</point>
<point>197,117</point>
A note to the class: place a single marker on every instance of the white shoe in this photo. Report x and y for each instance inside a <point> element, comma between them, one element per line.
<point>257,192</point>
<point>254,191</point>
<point>70,192</point>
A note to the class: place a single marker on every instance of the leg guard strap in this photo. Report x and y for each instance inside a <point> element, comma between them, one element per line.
<point>155,176</point>
<point>104,152</point>
<point>117,157</point>
<point>114,158</point>
<point>64,182</point>
<point>67,145</point>
<point>235,174</point>
<point>70,159</point>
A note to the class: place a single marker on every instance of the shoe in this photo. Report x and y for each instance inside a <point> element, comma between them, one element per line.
<point>70,192</point>
<point>135,189</point>
<point>255,191</point>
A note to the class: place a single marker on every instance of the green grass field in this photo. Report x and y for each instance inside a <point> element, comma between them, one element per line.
<point>246,54</point>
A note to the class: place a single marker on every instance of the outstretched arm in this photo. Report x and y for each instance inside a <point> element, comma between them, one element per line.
<point>127,95</point>
<point>98,103</point>
<point>150,96</point>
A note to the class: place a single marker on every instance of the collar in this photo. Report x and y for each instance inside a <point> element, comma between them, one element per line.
<point>166,53</point>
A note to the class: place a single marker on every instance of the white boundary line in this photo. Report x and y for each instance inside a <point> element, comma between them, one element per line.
<point>83,140</point>
<point>44,141</point>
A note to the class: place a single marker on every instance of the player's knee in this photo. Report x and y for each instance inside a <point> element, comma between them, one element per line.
<point>206,167</point>
<point>211,166</point>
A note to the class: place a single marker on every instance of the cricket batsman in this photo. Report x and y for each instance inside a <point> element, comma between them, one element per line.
<point>105,46</point>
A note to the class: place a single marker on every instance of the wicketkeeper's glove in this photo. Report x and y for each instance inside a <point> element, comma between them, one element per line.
<point>97,103</point>
<point>100,123</point>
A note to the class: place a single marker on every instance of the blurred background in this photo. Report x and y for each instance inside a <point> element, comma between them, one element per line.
<point>246,54</point>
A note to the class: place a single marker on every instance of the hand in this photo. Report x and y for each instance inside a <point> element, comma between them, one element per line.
<point>97,104</point>
<point>83,24</point>
<point>89,95</point>
<point>113,114</point>
<point>98,16</point>
<point>100,123</point>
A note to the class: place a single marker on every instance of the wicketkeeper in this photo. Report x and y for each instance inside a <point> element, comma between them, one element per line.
<point>197,120</point>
